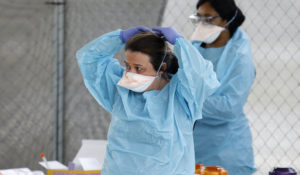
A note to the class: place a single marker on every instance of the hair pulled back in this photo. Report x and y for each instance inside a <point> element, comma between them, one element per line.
<point>156,48</point>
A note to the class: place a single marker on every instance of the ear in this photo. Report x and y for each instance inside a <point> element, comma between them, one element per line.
<point>163,68</point>
<point>226,27</point>
<point>224,22</point>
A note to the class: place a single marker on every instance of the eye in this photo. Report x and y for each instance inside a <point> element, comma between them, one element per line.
<point>138,69</point>
<point>210,18</point>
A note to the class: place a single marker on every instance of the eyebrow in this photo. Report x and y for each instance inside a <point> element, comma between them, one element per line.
<point>133,64</point>
<point>137,64</point>
<point>206,14</point>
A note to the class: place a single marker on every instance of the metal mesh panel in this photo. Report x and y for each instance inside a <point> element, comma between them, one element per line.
<point>273,106</point>
<point>26,52</point>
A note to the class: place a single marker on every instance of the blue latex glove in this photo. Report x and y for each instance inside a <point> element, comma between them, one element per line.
<point>168,33</point>
<point>125,35</point>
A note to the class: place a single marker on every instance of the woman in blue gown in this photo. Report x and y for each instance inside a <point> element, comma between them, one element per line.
<point>222,137</point>
<point>154,100</point>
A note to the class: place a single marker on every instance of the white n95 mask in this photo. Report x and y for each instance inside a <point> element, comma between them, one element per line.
<point>207,33</point>
<point>136,82</point>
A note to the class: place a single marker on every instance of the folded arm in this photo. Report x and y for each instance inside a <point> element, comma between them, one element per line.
<point>99,69</point>
<point>196,77</point>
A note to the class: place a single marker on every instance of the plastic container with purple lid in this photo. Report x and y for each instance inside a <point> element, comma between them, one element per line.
<point>283,171</point>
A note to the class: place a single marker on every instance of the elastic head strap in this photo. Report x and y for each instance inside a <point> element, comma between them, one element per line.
<point>162,60</point>
<point>233,18</point>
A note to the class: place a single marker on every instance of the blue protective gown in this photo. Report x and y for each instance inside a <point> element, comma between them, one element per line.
<point>223,136</point>
<point>150,132</point>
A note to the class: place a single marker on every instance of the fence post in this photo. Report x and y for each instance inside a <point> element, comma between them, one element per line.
<point>58,118</point>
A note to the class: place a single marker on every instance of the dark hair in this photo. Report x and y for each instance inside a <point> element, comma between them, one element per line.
<point>227,10</point>
<point>153,45</point>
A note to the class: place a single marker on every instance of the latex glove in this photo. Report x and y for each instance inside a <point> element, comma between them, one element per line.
<point>168,33</point>
<point>125,35</point>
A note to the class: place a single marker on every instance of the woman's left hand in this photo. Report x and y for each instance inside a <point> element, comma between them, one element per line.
<point>169,33</point>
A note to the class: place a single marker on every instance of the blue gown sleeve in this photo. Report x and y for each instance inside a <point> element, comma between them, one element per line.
<point>196,77</point>
<point>228,102</point>
<point>100,71</point>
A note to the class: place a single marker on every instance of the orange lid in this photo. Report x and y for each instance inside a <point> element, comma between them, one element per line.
<point>199,166</point>
<point>214,170</point>
<point>42,155</point>
<point>198,171</point>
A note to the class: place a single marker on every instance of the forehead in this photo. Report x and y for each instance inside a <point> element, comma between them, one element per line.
<point>207,10</point>
<point>132,57</point>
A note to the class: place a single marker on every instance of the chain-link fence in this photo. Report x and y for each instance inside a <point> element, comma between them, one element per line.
<point>273,106</point>
<point>33,79</point>
<point>26,69</point>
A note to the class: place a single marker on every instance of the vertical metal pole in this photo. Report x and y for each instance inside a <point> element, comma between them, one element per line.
<point>58,119</point>
<point>55,83</point>
<point>61,81</point>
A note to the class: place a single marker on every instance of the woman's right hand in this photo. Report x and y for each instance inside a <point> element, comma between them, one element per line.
<point>127,34</point>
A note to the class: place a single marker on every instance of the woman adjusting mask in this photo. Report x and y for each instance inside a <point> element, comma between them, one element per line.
<point>152,101</point>
<point>140,75</point>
